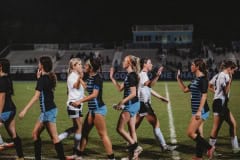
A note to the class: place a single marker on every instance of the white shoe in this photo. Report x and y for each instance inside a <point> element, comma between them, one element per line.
<point>78,158</point>
<point>168,148</point>
<point>70,157</point>
<point>137,152</point>
<point>5,144</point>
<point>236,150</point>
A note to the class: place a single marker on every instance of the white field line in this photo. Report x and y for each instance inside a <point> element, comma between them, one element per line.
<point>173,137</point>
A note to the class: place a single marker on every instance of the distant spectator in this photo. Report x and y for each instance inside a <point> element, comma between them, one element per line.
<point>30,60</point>
<point>107,60</point>
<point>115,65</point>
<point>35,60</point>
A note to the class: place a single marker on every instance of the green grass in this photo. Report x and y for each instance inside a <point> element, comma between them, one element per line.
<point>180,103</point>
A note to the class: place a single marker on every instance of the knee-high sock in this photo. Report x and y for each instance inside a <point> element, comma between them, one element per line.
<point>234,141</point>
<point>59,150</point>
<point>77,139</point>
<point>212,141</point>
<point>199,150</point>
<point>38,149</point>
<point>18,146</point>
<point>202,142</point>
<point>159,136</point>
<point>1,140</point>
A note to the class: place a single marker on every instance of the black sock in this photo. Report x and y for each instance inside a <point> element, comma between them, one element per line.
<point>202,142</point>
<point>199,150</point>
<point>38,149</point>
<point>18,146</point>
<point>79,153</point>
<point>111,156</point>
<point>59,150</point>
<point>132,147</point>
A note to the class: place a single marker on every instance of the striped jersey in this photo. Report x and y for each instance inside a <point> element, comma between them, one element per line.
<point>197,87</point>
<point>5,83</point>
<point>131,80</point>
<point>45,87</point>
<point>95,82</point>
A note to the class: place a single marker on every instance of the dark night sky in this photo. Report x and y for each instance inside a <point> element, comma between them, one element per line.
<point>77,21</point>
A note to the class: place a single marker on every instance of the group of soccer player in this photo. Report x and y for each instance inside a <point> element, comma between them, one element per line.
<point>135,105</point>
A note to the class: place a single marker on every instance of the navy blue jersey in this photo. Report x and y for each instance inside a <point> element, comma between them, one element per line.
<point>5,87</point>
<point>45,87</point>
<point>131,80</point>
<point>198,86</point>
<point>95,82</point>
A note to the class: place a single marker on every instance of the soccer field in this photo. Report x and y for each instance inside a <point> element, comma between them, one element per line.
<point>174,118</point>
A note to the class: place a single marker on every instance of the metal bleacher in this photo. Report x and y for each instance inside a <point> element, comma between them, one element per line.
<point>18,59</point>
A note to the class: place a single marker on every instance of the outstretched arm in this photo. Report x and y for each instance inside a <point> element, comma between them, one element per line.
<point>30,104</point>
<point>211,88</point>
<point>153,82</point>
<point>155,94</point>
<point>2,101</point>
<point>181,84</point>
<point>116,84</point>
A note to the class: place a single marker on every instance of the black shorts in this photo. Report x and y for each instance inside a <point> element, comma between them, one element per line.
<point>74,113</point>
<point>145,109</point>
<point>220,107</point>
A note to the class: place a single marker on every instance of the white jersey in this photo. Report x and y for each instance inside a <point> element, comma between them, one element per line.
<point>144,92</point>
<point>219,81</point>
<point>74,94</point>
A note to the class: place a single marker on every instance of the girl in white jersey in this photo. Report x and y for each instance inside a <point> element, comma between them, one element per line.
<point>220,86</point>
<point>76,87</point>
<point>144,93</point>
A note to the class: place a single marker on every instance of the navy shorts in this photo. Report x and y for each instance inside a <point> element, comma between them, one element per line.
<point>7,116</point>
<point>145,109</point>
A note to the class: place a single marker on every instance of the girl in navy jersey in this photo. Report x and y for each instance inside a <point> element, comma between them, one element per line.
<point>146,110</point>
<point>220,85</point>
<point>7,107</point>
<point>46,83</point>
<point>96,109</point>
<point>129,104</point>
<point>76,87</point>
<point>200,110</point>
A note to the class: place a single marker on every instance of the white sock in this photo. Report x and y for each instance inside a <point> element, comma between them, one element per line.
<point>159,136</point>
<point>234,141</point>
<point>1,140</point>
<point>77,139</point>
<point>212,141</point>
<point>63,136</point>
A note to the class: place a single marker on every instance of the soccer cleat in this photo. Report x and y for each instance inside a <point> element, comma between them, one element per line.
<point>168,148</point>
<point>11,144</point>
<point>236,150</point>
<point>5,144</point>
<point>79,158</point>
<point>137,152</point>
<point>210,152</point>
<point>72,157</point>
